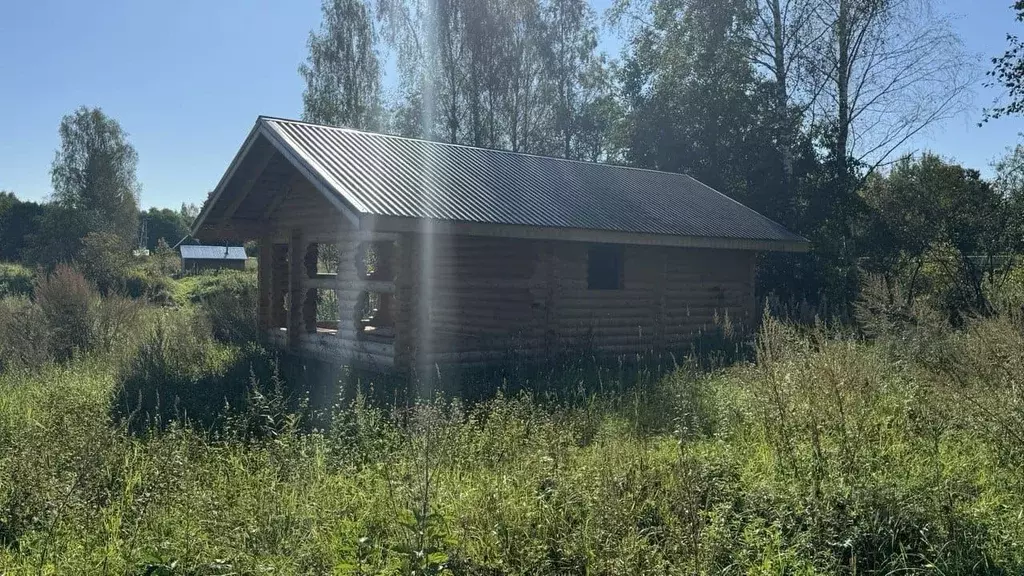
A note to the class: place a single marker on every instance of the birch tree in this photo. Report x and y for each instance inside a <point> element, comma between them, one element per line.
<point>342,72</point>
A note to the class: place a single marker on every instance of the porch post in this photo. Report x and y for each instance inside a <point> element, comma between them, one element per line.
<point>264,267</point>
<point>296,269</point>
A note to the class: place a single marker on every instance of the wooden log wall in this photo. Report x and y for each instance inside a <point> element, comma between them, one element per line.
<point>477,300</point>
<point>491,298</point>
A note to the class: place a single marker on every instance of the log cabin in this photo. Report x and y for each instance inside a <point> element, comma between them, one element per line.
<point>396,254</point>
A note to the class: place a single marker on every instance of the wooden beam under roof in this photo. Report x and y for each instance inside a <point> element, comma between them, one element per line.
<point>261,162</point>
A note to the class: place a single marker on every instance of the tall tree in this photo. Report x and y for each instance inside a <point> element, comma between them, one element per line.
<point>515,74</point>
<point>524,111</point>
<point>928,210</point>
<point>784,35</point>
<point>189,213</point>
<point>1008,72</point>
<point>427,40</point>
<point>342,72</point>
<point>688,85</point>
<point>94,175</point>
<point>888,69</point>
<point>571,41</point>
<point>164,224</point>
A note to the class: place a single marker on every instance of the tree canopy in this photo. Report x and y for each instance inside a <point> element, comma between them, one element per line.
<point>342,72</point>
<point>94,175</point>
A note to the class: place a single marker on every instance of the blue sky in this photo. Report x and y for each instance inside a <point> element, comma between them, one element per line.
<point>187,79</point>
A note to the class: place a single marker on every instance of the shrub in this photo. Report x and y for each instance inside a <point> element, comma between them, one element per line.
<point>145,283</point>
<point>105,259</point>
<point>67,317</point>
<point>67,300</point>
<point>181,373</point>
<point>15,280</point>
<point>115,319</point>
<point>24,342</point>
<point>165,260</point>
<point>229,298</point>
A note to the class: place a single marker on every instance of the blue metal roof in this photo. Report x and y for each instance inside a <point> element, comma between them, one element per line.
<point>197,252</point>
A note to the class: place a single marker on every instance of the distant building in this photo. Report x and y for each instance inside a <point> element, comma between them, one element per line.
<point>195,257</point>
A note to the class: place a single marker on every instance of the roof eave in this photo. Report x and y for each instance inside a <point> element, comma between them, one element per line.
<point>222,184</point>
<point>424,225</point>
<point>286,149</point>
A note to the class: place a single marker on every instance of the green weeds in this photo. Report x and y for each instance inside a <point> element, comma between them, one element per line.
<point>827,455</point>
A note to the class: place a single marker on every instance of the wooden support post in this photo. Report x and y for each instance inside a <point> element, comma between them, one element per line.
<point>278,285</point>
<point>264,270</point>
<point>296,270</point>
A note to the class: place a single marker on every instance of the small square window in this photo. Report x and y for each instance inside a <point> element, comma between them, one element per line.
<point>604,267</point>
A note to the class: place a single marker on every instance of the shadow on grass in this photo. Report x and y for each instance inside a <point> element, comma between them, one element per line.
<point>181,374</point>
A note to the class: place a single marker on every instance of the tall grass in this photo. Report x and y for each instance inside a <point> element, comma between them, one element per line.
<point>829,454</point>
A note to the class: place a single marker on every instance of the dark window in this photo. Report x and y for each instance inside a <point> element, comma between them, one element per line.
<point>604,267</point>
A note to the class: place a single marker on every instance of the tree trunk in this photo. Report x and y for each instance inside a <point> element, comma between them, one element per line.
<point>843,37</point>
<point>781,88</point>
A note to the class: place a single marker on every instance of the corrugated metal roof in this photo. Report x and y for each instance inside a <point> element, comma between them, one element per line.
<point>385,175</point>
<point>197,252</point>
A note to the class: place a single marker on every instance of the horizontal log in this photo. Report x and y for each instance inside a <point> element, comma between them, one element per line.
<point>370,361</point>
<point>368,347</point>
<point>477,356</point>
<point>477,333</point>
<point>608,336</point>
<point>384,287</point>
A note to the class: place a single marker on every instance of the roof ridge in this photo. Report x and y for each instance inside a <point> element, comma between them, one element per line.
<point>497,150</point>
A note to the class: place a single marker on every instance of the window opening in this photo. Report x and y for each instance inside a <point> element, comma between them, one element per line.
<point>322,260</point>
<point>375,317</point>
<point>320,311</point>
<point>375,261</point>
<point>604,267</point>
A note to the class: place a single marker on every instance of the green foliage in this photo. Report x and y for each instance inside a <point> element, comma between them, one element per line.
<point>94,174</point>
<point>942,231</point>
<point>342,71</point>
<point>165,224</point>
<point>19,221</point>
<point>229,299</point>
<point>180,373</point>
<point>105,259</point>
<point>1008,73</point>
<point>15,280</point>
<point>149,284</point>
<point>24,341</point>
<point>58,237</point>
<point>66,318</point>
